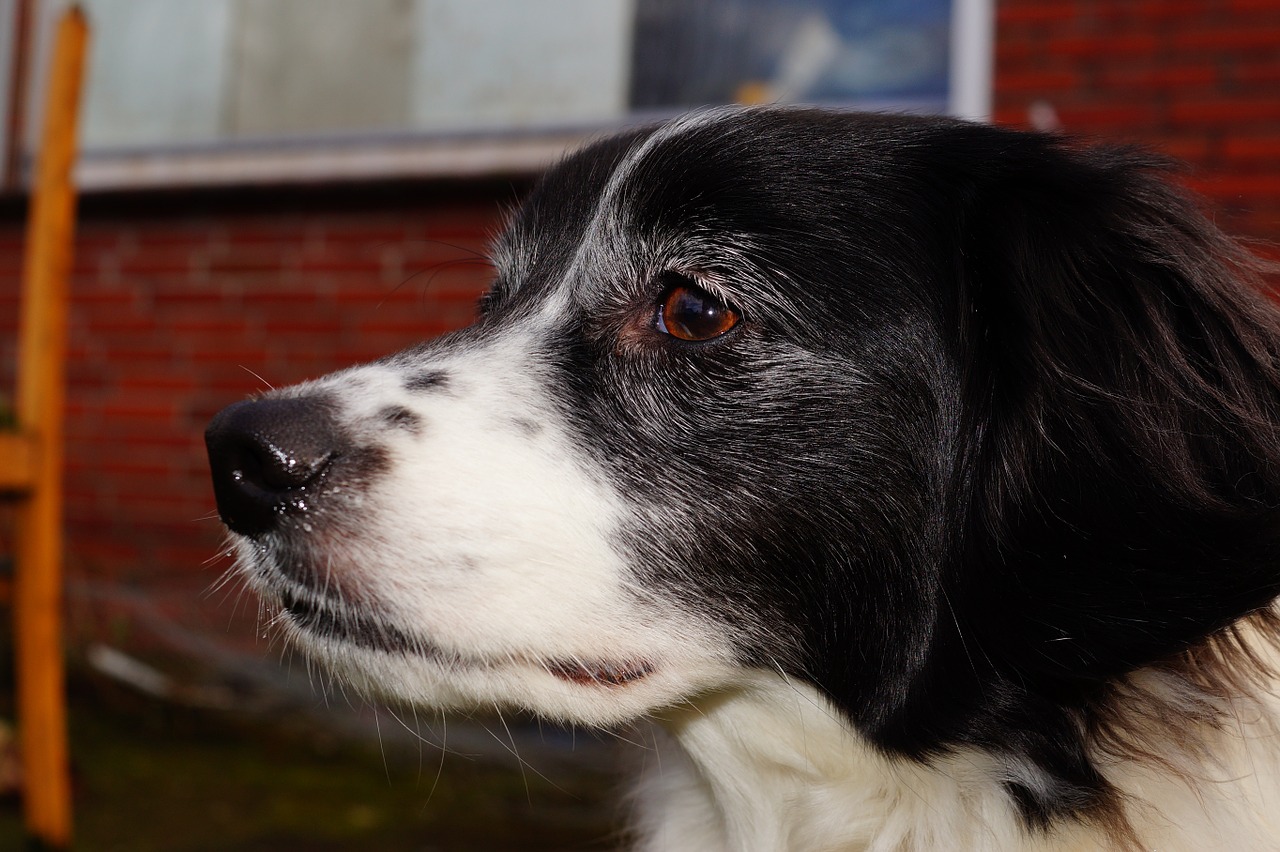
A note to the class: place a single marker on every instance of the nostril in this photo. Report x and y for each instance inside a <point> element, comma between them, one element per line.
<point>263,454</point>
<point>257,461</point>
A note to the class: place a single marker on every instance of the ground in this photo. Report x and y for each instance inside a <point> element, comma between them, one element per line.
<point>155,775</point>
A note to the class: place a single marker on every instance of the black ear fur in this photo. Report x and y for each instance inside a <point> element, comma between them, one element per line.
<point>1128,386</point>
<point>1119,491</point>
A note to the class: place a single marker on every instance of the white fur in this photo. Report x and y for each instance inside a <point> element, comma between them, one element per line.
<point>491,544</point>
<point>771,766</point>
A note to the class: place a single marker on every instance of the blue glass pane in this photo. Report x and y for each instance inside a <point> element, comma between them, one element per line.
<point>818,51</point>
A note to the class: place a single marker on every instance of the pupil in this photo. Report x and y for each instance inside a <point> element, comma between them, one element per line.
<point>697,313</point>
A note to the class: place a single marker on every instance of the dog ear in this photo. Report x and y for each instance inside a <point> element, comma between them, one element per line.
<point>1117,495</point>
<point>1124,432</point>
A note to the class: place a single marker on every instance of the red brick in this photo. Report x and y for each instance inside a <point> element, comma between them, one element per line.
<point>156,381</point>
<point>1263,148</point>
<point>266,260</point>
<point>114,322</point>
<point>138,410</point>
<point>1182,13</point>
<point>353,296</point>
<point>373,233</point>
<point>156,262</point>
<point>107,292</point>
<point>1037,13</point>
<point>1013,57</point>
<point>231,327</point>
<point>227,382</point>
<point>183,237</point>
<point>1245,7</point>
<point>477,225</point>
<point>107,551</point>
<point>1095,46</point>
<point>1259,71</point>
<point>283,301</point>
<point>1227,186</point>
<point>1109,118</point>
<point>1228,40</point>
<point>157,506</point>
<point>89,237</point>
<point>172,306</point>
<point>136,467</point>
<point>246,280</point>
<point>1191,149</point>
<point>209,554</point>
<point>357,258</point>
<point>305,325</point>
<point>1159,77</point>
<point>248,356</point>
<point>290,239</point>
<point>1039,81</point>
<point>1225,110</point>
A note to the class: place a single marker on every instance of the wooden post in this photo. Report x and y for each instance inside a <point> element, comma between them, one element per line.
<point>40,394</point>
<point>13,129</point>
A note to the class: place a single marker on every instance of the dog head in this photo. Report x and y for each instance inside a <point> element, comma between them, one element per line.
<point>956,424</point>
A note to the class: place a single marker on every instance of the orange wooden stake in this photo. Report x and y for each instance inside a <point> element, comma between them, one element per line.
<point>41,358</point>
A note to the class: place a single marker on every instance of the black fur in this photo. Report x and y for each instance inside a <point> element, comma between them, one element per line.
<point>999,427</point>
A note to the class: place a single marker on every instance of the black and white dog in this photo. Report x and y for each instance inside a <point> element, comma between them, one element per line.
<point>921,479</point>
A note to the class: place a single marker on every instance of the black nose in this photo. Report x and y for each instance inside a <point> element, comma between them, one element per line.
<point>264,455</point>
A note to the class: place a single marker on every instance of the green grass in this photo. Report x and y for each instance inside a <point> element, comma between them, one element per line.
<point>150,777</point>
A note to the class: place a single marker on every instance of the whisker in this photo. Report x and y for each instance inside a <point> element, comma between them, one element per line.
<point>258,377</point>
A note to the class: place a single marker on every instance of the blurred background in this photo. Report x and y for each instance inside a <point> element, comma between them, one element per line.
<point>272,189</point>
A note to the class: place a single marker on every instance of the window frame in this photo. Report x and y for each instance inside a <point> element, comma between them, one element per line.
<point>412,155</point>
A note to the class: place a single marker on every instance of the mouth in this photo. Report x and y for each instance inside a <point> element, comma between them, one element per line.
<point>355,629</point>
<point>600,673</point>
<point>324,621</point>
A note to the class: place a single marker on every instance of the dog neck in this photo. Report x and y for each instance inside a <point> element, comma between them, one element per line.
<point>772,765</point>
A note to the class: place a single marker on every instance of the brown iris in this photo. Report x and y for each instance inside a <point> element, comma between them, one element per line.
<point>688,312</point>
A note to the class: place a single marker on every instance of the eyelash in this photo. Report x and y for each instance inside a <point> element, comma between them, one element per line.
<point>689,312</point>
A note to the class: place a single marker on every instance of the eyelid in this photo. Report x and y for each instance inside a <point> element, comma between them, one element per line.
<point>705,282</point>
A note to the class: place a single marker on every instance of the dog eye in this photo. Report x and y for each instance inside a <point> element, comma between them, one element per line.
<point>688,312</point>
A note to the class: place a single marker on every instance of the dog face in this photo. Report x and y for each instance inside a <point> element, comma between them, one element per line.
<point>953,423</point>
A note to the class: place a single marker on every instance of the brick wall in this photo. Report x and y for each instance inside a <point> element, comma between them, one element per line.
<point>1198,79</point>
<point>183,304</point>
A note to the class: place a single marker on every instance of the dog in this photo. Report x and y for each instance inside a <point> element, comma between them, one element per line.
<point>919,479</point>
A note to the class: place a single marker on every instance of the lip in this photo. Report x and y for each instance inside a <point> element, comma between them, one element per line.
<point>607,674</point>
<point>325,622</point>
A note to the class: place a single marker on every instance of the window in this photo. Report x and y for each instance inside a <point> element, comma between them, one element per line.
<point>259,89</point>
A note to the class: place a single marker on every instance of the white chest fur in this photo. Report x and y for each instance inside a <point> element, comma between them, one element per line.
<point>771,766</point>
